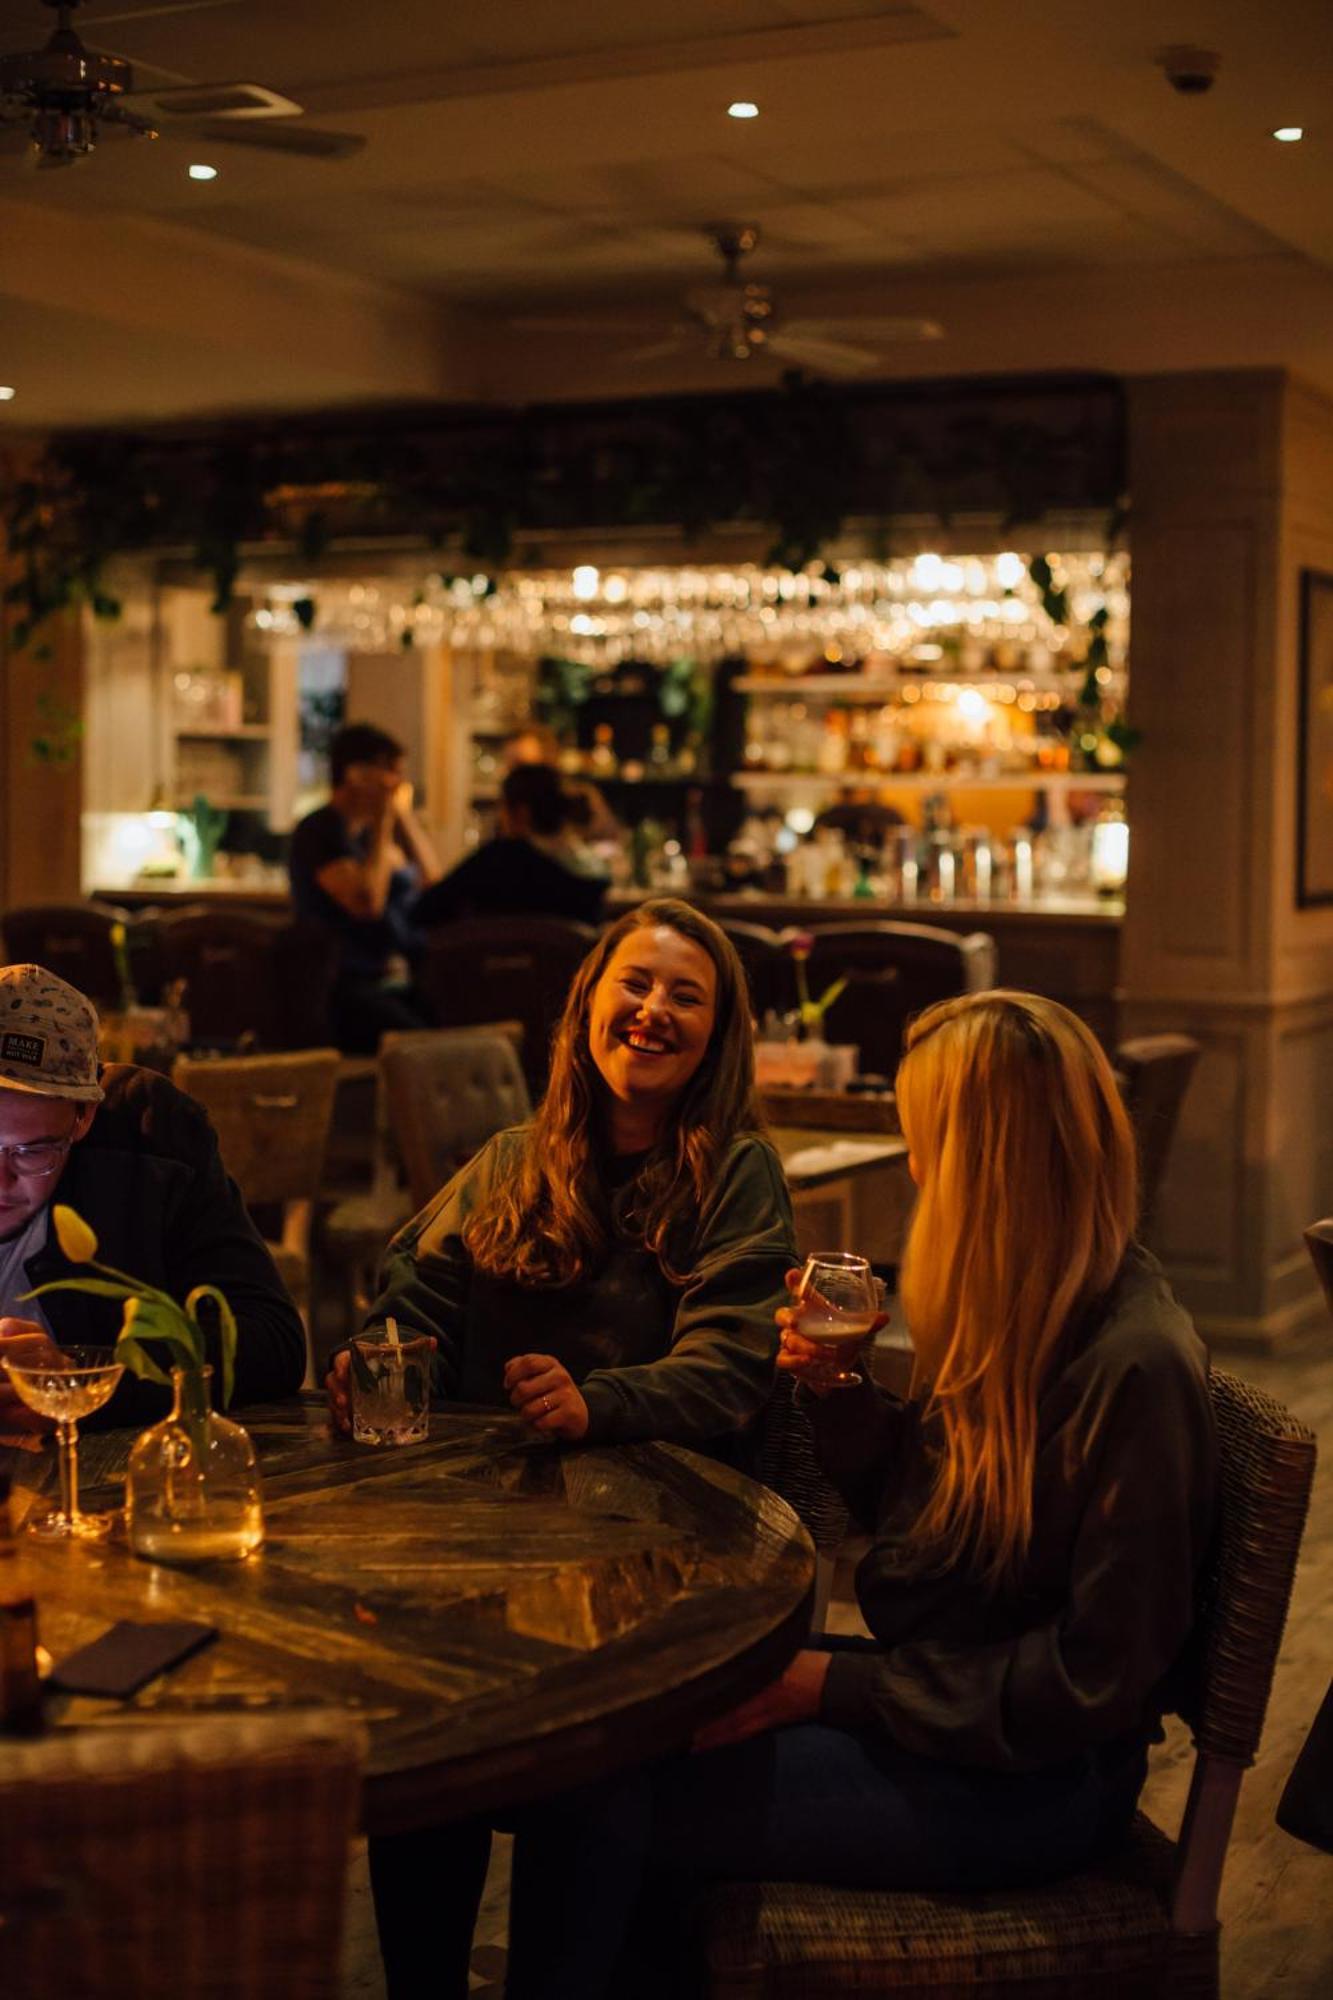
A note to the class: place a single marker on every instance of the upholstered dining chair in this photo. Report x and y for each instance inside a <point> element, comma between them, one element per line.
<point>1154,1073</point>
<point>73,940</point>
<point>893,971</point>
<point>256,978</point>
<point>204,1860</point>
<point>1305,1809</point>
<point>1145,1919</point>
<point>272,1116</point>
<point>441,1093</point>
<point>766,957</point>
<point>1319,1243</point>
<point>503,968</point>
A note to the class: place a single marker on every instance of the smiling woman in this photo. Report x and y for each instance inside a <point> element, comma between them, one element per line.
<point>635,1233</point>
<point>611,1270</point>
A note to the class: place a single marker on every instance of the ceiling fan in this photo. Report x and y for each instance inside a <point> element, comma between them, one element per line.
<point>737,319</point>
<point>69,95</point>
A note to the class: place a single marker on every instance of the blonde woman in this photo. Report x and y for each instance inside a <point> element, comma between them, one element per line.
<point>1038,1513</point>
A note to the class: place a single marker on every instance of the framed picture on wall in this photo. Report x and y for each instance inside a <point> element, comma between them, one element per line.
<point>1314,824</point>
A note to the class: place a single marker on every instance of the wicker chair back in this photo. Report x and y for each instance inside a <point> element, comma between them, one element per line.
<point>1266,1466</point>
<point>205,1860</point>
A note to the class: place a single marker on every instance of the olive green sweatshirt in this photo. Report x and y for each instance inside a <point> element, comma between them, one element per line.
<point>1076,1653</point>
<point>686,1362</point>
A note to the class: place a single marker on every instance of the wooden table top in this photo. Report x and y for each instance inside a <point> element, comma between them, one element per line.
<point>507,1618</point>
<point>813,1158</point>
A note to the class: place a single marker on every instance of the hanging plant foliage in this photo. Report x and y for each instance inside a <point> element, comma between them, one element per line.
<point>800,461</point>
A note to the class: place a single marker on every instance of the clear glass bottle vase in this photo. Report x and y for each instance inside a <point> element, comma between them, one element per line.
<point>193,1491</point>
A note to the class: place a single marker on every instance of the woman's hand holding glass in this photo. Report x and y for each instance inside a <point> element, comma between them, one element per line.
<point>831,1290</point>
<point>338,1386</point>
<point>546,1397</point>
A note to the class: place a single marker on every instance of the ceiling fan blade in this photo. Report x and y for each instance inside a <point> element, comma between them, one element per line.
<point>582,323</point>
<point>308,141</point>
<point>212,100</point>
<point>868,328</point>
<point>830,357</point>
<point>153,10</point>
<point>682,341</point>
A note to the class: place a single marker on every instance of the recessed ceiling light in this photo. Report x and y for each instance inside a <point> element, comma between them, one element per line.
<point>7,394</point>
<point>1289,134</point>
<point>199,172</point>
<point>742,108</point>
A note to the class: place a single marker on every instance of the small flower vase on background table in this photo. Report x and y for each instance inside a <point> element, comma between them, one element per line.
<point>193,1491</point>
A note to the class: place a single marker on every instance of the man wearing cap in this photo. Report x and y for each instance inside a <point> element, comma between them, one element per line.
<point>139,1161</point>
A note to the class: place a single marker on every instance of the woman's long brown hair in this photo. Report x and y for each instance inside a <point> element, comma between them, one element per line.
<point>546,1221</point>
<point>1026,1164</point>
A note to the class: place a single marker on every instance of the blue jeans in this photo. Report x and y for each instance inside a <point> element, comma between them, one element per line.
<point>812,1803</point>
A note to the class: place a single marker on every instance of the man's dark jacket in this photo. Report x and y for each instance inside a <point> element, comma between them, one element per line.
<point>149,1181</point>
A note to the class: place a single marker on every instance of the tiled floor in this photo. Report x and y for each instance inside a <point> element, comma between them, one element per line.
<point>1277,1895</point>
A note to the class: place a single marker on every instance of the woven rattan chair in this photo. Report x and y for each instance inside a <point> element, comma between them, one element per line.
<point>787,1460</point>
<point>206,1861</point>
<point>1145,1920</point>
<point>272,1116</point>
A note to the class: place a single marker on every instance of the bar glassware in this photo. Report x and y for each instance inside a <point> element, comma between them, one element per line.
<point>390,1386</point>
<point>72,1384</point>
<point>839,1301</point>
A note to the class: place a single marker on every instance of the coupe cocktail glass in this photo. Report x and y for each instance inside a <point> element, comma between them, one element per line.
<point>67,1385</point>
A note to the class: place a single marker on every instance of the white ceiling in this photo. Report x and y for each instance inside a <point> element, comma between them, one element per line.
<point>1016,169</point>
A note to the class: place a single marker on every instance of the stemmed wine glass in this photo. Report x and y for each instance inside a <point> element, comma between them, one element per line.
<point>839,1302</point>
<point>67,1385</point>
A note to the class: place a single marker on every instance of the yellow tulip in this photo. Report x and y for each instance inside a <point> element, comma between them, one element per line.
<point>74,1236</point>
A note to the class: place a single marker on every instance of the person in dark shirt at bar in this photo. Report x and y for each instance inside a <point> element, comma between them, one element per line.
<point>535,867</point>
<point>1039,1512</point>
<point>356,864</point>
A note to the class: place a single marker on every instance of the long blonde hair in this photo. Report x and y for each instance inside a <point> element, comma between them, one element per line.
<point>546,1223</point>
<point>1028,1187</point>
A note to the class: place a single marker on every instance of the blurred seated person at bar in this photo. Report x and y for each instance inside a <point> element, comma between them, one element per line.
<point>1038,1515</point>
<point>536,866</point>
<point>611,1270</point>
<point>537,743</point>
<point>138,1160</point>
<point>356,865</point>
<point>862,821</point>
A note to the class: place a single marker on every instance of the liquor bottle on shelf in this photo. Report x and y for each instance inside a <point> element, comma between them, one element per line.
<point>833,749</point>
<point>602,757</point>
<point>659,754</point>
<point>20,1684</point>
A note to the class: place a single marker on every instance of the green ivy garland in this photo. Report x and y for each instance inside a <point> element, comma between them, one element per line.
<point>801,460</point>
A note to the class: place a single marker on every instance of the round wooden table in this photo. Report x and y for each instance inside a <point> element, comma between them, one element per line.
<point>507,1618</point>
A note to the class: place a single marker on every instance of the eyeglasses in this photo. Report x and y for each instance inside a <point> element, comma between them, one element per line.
<point>42,1157</point>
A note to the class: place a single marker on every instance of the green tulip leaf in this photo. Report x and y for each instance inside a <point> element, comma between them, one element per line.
<point>98,1288</point>
<point>226,1333</point>
<point>139,1361</point>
